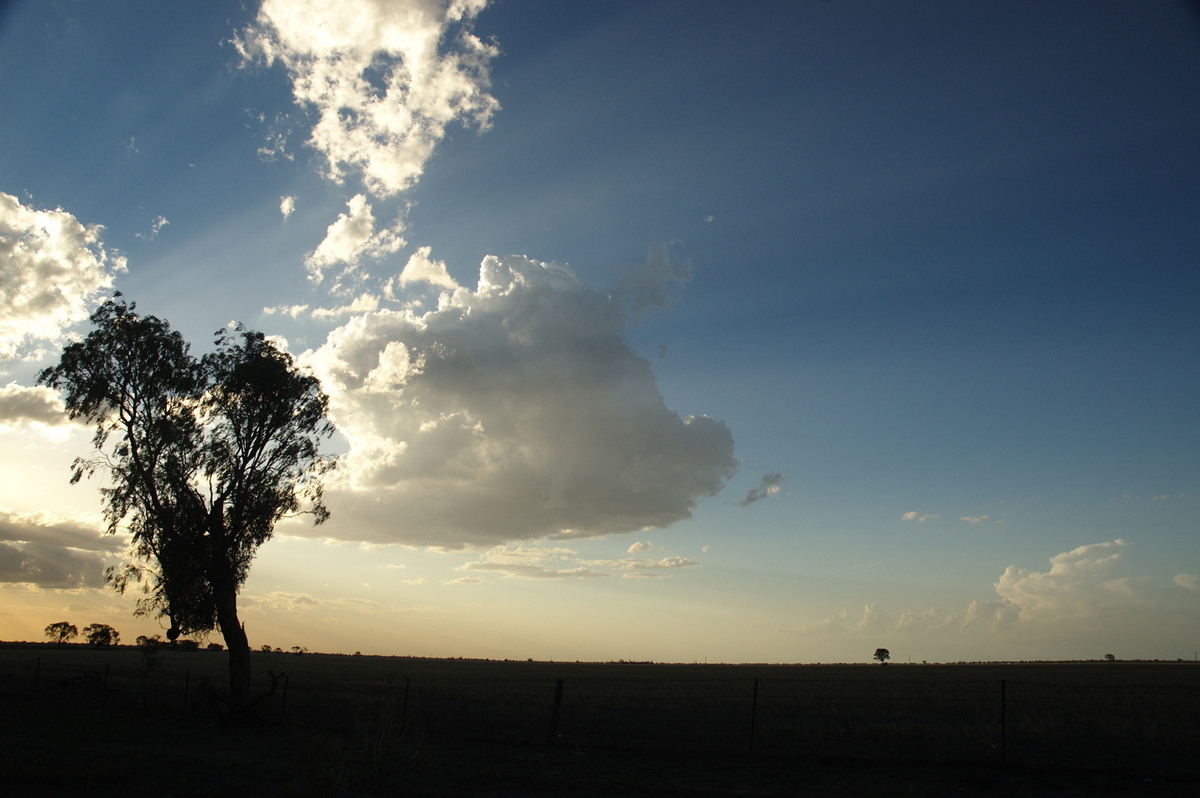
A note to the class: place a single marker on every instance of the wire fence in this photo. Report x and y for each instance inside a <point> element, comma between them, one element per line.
<point>895,714</point>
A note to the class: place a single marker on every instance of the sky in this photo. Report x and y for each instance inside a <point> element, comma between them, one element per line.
<point>662,330</point>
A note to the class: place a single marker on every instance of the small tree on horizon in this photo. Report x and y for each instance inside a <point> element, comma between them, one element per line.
<point>100,635</point>
<point>883,655</point>
<point>62,632</point>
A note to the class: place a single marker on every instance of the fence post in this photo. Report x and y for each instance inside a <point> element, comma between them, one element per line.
<point>753,717</point>
<point>552,730</point>
<point>1003,719</point>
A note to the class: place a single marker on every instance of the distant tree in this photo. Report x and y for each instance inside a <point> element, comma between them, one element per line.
<point>62,632</point>
<point>188,645</point>
<point>265,647</point>
<point>883,655</point>
<point>1109,658</point>
<point>299,650</point>
<point>148,642</point>
<point>208,454</point>
<point>101,634</point>
<point>215,647</point>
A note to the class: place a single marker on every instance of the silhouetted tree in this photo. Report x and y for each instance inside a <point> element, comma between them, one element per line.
<point>101,634</point>
<point>208,455</point>
<point>883,655</point>
<point>61,632</point>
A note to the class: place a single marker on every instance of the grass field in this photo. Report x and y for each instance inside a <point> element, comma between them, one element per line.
<point>78,718</point>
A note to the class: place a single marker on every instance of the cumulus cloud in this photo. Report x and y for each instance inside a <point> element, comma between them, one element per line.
<point>1079,582</point>
<point>1089,583</point>
<point>641,545</point>
<point>770,485</point>
<point>287,206</point>
<point>350,239</point>
<point>874,620</point>
<point>513,411</point>
<point>994,614</point>
<point>421,269</point>
<point>52,271</point>
<point>54,553</point>
<point>22,405</point>
<point>913,515</point>
<point>384,80</point>
<point>974,519</point>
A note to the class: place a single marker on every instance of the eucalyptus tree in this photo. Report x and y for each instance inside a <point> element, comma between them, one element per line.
<point>62,632</point>
<point>204,456</point>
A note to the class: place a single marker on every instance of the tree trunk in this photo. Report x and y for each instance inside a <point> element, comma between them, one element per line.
<point>238,645</point>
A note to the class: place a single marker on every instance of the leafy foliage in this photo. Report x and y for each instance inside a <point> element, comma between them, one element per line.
<point>62,632</point>
<point>101,634</point>
<point>204,456</point>
<point>883,655</point>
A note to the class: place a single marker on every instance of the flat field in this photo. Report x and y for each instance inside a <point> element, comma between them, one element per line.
<point>108,720</point>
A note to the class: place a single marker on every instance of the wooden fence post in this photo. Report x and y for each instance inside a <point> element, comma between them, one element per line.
<point>552,730</point>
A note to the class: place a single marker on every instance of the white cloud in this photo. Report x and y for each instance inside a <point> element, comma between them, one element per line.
<point>641,545</point>
<point>974,519</point>
<point>52,270</point>
<point>522,561</point>
<point>513,411</point>
<point>155,226</point>
<point>874,620</point>
<point>532,562</point>
<point>422,269</point>
<point>360,304</point>
<point>913,515</point>
<point>287,206</point>
<point>770,485</point>
<point>383,79</point>
<point>21,405</point>
<point>1085,590</point>
<point>1079,582</point>
<point>351,238</point>
<point>931,620</point>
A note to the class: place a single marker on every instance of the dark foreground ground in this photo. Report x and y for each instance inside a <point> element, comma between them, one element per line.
<point>51,747</point>
<point>124,731</point>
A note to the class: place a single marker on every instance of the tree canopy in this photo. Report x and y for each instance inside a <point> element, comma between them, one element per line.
<point>204,457</point>
<point>62,632</point>
<point>101,634</point>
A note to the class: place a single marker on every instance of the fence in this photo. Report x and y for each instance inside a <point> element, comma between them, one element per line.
<point>1148,720</point>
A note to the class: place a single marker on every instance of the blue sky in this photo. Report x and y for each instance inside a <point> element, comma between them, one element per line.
<point>654,330</point>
